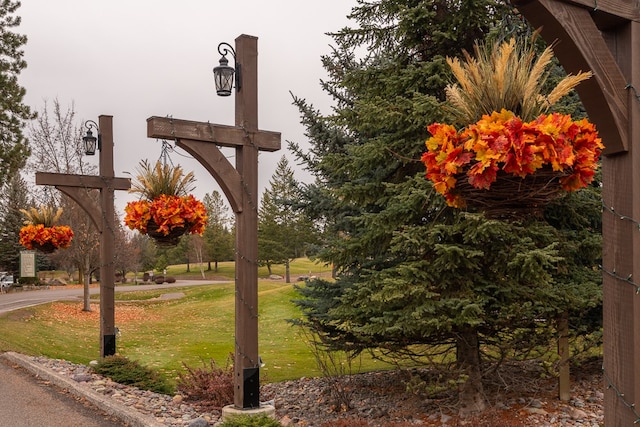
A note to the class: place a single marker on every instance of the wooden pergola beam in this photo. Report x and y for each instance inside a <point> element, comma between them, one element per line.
<point>580,46</point>
<point>627,10</point>
<point>225,136</point>
<point>82,181</point>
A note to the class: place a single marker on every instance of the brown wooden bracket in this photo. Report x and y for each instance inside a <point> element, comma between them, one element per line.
<point>75,186</point>
<point>580,46</point>
<point>201,140</point>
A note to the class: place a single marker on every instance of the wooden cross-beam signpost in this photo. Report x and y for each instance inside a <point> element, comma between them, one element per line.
<point>103,217</point>
<point>240,185</point>
<point>604,36</point>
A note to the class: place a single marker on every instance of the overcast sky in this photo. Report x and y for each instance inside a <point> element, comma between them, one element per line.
<point>142,58</point>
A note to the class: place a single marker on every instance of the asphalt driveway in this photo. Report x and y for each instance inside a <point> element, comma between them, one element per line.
<point>14,300</point>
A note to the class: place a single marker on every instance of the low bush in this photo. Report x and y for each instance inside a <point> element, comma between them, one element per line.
<point>129,372</point>
<point>210,385</point>
<point>250,421</point>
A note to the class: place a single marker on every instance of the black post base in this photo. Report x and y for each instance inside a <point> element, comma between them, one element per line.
<point>109,345</point>
<point>251,396</point>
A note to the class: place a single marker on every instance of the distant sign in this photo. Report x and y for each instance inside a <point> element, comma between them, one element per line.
<point>27,263</point>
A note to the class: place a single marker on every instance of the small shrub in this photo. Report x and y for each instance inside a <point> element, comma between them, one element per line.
<point>261,420</point>
<point>129,372</point>
<point>170,279</point>
<point>210,385</point>
<point>159,280</point>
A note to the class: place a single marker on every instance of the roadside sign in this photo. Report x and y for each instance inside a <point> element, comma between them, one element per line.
<point>28,264</point>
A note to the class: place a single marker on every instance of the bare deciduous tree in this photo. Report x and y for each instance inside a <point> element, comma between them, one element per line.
<point>55,147</point>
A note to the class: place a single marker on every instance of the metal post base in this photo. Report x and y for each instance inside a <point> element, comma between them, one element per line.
<point>109,345</point>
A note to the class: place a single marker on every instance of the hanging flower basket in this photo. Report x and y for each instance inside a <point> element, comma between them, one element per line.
<point>45,239</point>
<point>502,163</point>
<point>504,166</point>
<point>166,212</point>
<point>166,218</point>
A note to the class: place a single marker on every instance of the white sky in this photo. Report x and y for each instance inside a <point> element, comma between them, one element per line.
<point>135,59</point>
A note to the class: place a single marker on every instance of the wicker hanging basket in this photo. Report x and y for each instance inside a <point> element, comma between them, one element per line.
<point>511,196</point>
<point>46,248</point>
<point>165,240</point>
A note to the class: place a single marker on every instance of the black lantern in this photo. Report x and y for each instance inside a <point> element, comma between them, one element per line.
<point>223,73</point>
<point>90,141</point>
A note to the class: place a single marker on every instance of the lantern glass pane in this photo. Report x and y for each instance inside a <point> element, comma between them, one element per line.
<point>89,144</point>
<point>223,76</point>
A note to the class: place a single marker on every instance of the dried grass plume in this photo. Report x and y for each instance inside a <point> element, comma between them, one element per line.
<point>505,75</point>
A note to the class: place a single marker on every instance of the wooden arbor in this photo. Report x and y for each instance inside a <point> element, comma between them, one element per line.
<point>240,185</point>
<point>604,36</point>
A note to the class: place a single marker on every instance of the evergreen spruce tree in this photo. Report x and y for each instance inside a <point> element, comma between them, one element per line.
<point>217,235</point>
<point>14,198</point>
<point>14,148</point>
<point>414,276</point>
<point>283,231</point>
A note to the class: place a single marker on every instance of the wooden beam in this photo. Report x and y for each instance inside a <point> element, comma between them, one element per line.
<point>625,9</point>
<point>225,136</point>
<point>580,46</point>
<point>84,181</point>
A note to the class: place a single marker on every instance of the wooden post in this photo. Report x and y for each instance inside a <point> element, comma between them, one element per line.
<point>603,36</point>
<point>107,270</point>
<point>247,370</point>
<point>240,185</point>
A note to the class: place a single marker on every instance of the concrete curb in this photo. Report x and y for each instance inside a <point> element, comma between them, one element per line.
<point>122,412</point>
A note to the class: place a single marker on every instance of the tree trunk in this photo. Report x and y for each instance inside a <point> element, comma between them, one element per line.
<point>287,272</point>
<point>87,299</point>
<point>86,280</point>
<point>564,377</point>
<point>471,393</point>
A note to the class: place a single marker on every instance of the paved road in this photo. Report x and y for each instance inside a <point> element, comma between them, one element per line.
<point>20,299</point>
<point>26,401</point>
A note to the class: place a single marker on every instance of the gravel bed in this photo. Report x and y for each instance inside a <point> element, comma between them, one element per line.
<point>379,398</point>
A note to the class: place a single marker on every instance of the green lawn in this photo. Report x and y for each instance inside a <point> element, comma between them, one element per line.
<point>164,334</point>
<point>227,269</point>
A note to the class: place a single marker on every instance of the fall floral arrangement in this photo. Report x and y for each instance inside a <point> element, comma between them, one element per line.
<point>510,152</point>
<point>41,232</point>
<point>166,211</point>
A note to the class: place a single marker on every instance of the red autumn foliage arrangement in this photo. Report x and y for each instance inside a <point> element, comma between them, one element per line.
<point>166,210</point>
<point>167,213</point>
<point>503,142</point>
<point>40,231</point>
<point>507,153</point>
